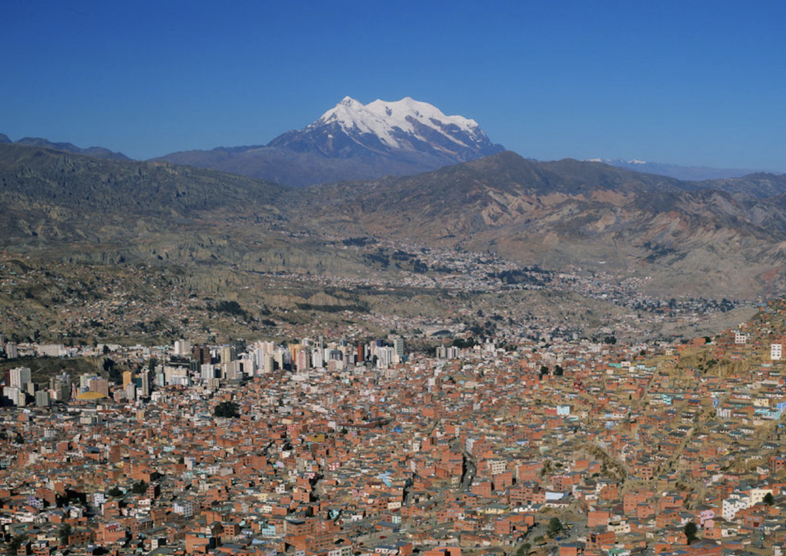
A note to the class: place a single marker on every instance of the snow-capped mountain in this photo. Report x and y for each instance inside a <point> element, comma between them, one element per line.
<point>353,141</point>
<point>403,127</point>
<point>688,173</point>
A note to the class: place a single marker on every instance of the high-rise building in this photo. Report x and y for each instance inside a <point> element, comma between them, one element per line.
<point>294,350</point>
<point>361,352</point>
<point>228,353</point>
<point>280,356</point>
<point>257,356</point>
<point>11,350</point>
<point>385,357</point>
<point>20,376</point>
<point>182,348</point>
<point>131,391</point>
<point>266,347</point>
<point>398,347</point>
<point>317,358</point>
<point>207,371</point>
<point>100,385</point>
<point>14,394</point>
<point>232,370</point>
<point>269,363</point>
<point>201,354</point>
<point>61,387</point>
<point>42,398</point>
<point>145,384</point>
<point>303,360</point>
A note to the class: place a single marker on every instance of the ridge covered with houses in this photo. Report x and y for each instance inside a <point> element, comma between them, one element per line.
<point>338,448</point>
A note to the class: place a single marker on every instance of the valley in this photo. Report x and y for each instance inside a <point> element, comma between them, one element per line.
<point>555,340</point>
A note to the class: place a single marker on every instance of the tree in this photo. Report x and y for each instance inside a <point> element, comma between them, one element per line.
<point>462,343</point>
<point>559,371</point>
<point>523,549</point>
<point>554,526</point>
<point>64,532</point>
<point>226,409</point>
<point>140,487</point>
<point>690,531</point>
<point>230,308</point>
<point>769,499</point>
<point>114,491</point>
<point>12,548</point>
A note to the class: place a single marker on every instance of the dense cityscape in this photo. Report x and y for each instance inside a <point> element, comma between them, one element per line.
<point>366,447</point>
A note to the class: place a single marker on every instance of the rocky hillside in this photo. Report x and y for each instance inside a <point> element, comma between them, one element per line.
<point>713,239</point>
<point>74,205</point>
<point>689,237</point>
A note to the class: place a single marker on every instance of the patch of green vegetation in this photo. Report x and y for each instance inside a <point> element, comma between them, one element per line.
<point>226,409</point>
<point>43,368</point>
<point>230,308</point>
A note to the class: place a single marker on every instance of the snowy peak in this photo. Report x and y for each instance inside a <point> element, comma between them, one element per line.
<point>685,173</point>
<point>617,161</point>
<point>403,124</point>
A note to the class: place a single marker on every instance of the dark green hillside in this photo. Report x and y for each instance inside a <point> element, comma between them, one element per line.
<point>30,175</point>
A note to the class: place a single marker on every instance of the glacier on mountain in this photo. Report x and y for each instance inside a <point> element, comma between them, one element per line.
<point>387,120</point>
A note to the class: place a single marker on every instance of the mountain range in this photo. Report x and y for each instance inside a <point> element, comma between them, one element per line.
<point>687,173</point>
<point>393,171</point>
<point>353,141</point>
<point>357,142</point>
<point>726,237</point>
<point>96,152</point>
<point>687,238</point>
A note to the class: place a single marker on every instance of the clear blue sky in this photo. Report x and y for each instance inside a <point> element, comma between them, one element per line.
<point>684,81</point>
